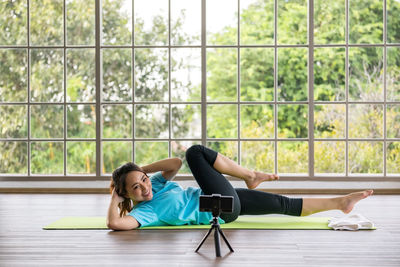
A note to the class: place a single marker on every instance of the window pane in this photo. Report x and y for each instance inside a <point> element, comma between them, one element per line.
<point>227,148</point>
<point>292,74</point>
<point>329,74</point>
<point>365,21</point>
<point>292,121</point>
<point>151,121</point>
<point>257,74</point>
<point>148,152</point>
<point>256,22</point>
<point>117,22</point>
<point>47,75</point>
<point>365,121</point>
<point>365,157</point>
<point>393,21</point>
<point>81,80</point>
<point>329,22</point>
<point>222,121</point>
<point>46,22</point>
<point>117,121</point>
<point>81,157</point>
<point>186,121</point>
<point>13,75</point>
<point>80,22</point>
<point>330,121</point>
<point>293,157</point>
<point>258,156</point>
<point>13,22</point>
<point>115,154</point>
<point>366,74</point>
<point>178,149</point>
<point>47,157</point>
<point>393,121</point>
<point>81,121</point>
<point>221,19</point>
<point>13,157</point>
<point>13,121</point>
<point>292,21</point>
<point>222,74</point>
<point>151,22</point>
<point>185,74</point>
<point>47,121</point>
<point>151,74</point>
<point>392,74</point>
<point>117,74</point>
<point>329,157</point>
<point>256,121</point>
<point>185,22</point>
<point>393,158</point>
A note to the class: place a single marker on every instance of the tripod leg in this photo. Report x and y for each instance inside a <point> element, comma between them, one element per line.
<point>226,241</point>
<point>216,240</point>
<point>204,239</point>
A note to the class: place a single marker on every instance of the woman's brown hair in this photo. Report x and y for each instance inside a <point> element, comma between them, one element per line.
<point>118,181</point>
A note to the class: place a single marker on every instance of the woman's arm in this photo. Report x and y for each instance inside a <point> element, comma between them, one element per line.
<point>168,167</point>
<point>114,221</point>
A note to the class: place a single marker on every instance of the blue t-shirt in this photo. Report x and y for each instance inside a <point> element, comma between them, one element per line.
<point>170,205</point>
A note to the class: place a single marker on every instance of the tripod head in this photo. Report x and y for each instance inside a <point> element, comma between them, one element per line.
<point>216,204</point>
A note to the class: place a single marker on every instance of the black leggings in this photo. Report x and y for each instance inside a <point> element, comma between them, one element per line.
<point>246,201</point>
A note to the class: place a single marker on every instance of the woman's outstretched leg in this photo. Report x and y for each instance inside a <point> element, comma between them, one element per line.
<point>343,203</point>
<point>255,202</point>
<point>252,178</point>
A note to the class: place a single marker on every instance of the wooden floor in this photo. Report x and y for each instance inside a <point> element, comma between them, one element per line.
<point>24,243</point>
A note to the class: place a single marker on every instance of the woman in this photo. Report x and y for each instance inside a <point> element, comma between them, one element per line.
<point>159,201</point>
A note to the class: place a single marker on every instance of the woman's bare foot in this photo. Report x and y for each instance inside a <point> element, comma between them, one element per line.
<point>259,177</point>
<point>348,201</point>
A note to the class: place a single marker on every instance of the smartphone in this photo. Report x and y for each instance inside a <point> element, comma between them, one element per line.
<point>216,203</point>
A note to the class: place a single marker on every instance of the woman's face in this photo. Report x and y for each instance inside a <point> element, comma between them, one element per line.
<point>138,186</point>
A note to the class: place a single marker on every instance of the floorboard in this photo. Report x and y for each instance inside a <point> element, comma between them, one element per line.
<point>24,243</point>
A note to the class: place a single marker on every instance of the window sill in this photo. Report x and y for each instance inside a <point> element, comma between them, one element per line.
<point>280,187</point>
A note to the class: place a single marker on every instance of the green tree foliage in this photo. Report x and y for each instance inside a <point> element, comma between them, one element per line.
<point>366,77</point>
<point>393,28</point>
<point>366,21</point>
<point>13,75</point>
<point>13,21</point>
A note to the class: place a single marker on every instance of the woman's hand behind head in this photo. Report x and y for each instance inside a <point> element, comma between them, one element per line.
<point>115,197</point>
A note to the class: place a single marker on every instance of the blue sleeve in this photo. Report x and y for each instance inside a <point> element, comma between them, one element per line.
<point>145,216</point>
<point>157,181</point>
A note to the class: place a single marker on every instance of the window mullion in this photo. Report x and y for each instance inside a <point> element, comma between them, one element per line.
<point>169,81</point>
<point>133,81</point>
<point>98,87</point>
<point>347,88</point>
<point>65,87</point>
<point>311,88</point>
<point>203,74</point>
<point>275,85</point>
<point>238,84</point>
<point>28,88</point>
<point>384,85</point>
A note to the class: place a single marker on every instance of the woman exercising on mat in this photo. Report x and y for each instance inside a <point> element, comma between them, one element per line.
<point>138,200</point>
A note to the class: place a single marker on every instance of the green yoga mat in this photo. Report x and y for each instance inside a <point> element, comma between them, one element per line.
<point>243,222</point>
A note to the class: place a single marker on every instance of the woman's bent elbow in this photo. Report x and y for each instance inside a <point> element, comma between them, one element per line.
<point>111,225</point>
<point>127,223</point>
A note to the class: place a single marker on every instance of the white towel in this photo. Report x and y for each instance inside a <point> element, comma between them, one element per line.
<point>351,222</point>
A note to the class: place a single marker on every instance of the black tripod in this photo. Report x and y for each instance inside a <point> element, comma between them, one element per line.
<point>215,226</point>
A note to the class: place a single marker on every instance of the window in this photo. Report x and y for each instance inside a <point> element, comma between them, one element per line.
<point>303,88</point>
